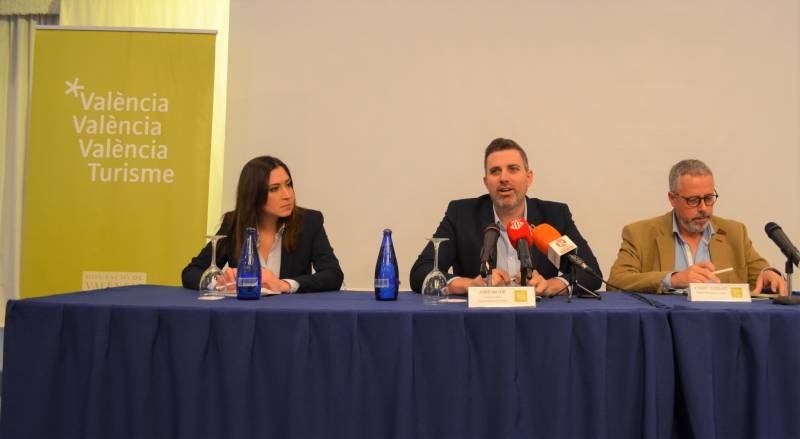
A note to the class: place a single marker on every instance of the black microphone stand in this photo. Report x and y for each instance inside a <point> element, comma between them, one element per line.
<point>525,262</point>
<point>525,274</point>
<point>487,268</point>
<point>790,299</point>
<point>582,292</point>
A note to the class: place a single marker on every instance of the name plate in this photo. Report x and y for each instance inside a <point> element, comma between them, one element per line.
<point>501,297</point>
<point>702,292</point>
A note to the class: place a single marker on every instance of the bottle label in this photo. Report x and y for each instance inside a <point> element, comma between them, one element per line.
<point>247,282</point>
<point>382,282</point>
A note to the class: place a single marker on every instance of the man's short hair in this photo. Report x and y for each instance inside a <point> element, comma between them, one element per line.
<point>686,167</point>
<point>501,144</point>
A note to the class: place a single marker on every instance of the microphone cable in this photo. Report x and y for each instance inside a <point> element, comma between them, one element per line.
<point>638,296</point>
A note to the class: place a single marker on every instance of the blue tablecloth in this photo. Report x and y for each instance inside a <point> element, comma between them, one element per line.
<point>155,362</point>
<point>738,369</point>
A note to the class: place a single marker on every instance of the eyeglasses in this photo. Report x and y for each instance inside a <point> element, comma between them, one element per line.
<point>709,199</point>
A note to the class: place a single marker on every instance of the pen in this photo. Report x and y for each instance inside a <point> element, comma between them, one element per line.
<point>724,270</point>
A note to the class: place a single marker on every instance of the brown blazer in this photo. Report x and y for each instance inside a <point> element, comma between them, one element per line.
<point>647,254</point>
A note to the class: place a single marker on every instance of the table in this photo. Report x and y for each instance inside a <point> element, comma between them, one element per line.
<point>155,362</point>
<point>738,368</point>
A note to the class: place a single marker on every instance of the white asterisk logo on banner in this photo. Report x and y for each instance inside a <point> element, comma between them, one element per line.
<point>73,87</point>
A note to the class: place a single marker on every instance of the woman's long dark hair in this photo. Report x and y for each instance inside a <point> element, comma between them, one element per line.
<point>251,196</point>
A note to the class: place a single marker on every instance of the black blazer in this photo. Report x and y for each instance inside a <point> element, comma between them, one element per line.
<point>463,224</point>
<point>313,249</point>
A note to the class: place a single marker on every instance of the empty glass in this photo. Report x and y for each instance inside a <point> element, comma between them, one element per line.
<point>434,287</point>
<point>212,282</point>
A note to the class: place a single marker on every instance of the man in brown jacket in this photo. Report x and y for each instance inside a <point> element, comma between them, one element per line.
<point>688,245</point>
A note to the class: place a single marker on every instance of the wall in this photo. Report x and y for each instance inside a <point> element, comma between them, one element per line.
<point>382,109</point>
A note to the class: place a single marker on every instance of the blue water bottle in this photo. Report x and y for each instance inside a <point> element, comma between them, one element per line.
<point>248,271</point>
<point>387,279</point>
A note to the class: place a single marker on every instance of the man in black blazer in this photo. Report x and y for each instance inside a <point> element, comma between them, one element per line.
<point>507,178</point>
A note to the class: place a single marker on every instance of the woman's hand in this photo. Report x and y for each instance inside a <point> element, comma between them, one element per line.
<point>273,283</point>
<point>268,281</point>
<point>228,282</point>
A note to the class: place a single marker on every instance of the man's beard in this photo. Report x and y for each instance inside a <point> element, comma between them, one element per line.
<point>692,227</point>
<point>507,202</point>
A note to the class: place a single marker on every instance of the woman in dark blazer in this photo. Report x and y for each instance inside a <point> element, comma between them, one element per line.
<point>291,239</point>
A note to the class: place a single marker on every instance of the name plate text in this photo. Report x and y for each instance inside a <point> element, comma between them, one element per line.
<point>502,297</point>
<point>702,292</point>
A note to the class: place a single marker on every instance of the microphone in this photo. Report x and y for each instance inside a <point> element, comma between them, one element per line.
<point>519,233</point>
<point>488,252</point>
<point>560,250</point>
<point>780,239</point>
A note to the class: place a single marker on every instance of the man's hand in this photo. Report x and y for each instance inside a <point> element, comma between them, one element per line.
<point>770,280</point>
<point>701,272</point>
<point>460,285</point>
<point>544,287</point>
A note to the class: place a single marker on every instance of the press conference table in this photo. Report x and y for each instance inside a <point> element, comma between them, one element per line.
<point>738,368</point>
<point>155,362</point>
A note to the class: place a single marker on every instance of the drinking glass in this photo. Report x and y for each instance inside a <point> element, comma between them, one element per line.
<point>212,282</point>
<point>434,287</point>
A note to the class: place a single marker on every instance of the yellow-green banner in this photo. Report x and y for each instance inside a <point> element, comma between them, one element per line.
<point>116,187</point>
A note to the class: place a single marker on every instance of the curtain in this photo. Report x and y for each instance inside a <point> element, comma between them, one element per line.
<point>16,55</point>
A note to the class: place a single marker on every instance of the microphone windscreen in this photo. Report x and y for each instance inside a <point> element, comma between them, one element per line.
<point>777,235</point>
<point>543,235</point>
<point>770,228</point>
<point>490,236</point>
<point>519,229</point>
<point>493,229</point>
